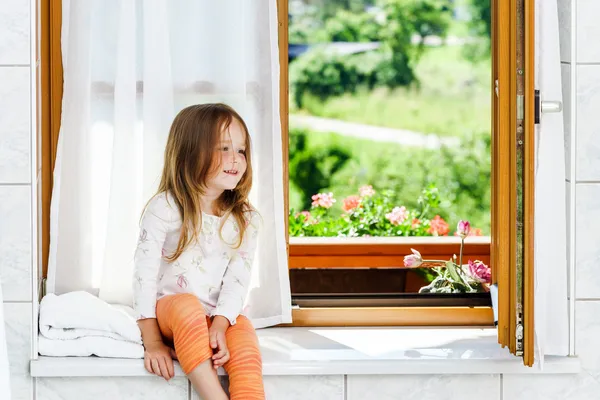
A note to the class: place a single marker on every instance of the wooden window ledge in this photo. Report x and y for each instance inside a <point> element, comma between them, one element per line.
<point>348,351</point>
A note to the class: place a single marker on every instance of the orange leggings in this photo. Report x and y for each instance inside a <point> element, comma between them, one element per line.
<point>182,320</point>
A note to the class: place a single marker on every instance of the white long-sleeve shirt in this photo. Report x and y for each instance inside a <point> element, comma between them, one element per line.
<point>212,269</point>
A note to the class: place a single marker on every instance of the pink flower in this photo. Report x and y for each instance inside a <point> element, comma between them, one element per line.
<point>350,203</point>
<point>308,217</point>
<point>463,228</point>
<point>415,223</point>
<point>473,232</point>
<point>397,216</point>
<point>366,191</point>
<point>324,200</point>
<point>480,272</point>
<point>413,260</point>
<point>438,227</point>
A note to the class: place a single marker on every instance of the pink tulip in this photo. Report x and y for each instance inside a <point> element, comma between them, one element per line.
<point>324,200</point>
<point>463,228</point>
<point>480,272</point>
<point>413,260</point>
<point>397,216</point>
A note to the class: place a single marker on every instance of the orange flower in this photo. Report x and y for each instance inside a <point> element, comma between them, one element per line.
<point>438,227</point>
<point>350,203</point>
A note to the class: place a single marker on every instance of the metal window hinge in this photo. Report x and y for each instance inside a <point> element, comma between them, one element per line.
<point>519,330</point>
<point>520,107</point>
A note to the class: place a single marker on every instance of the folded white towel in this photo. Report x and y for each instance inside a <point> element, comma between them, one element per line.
<point>80,324</point>
<point>89,346</point>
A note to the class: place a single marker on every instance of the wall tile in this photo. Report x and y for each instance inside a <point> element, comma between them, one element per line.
<point>18,336</point>
<point>588,31</point>
<point>550,387</point>
<point>15,242</point>
<point>422,387</point>
<point>564,26</point>
<point>566,100</point>
<point>14,32</point>
<point>325,387</point>
<point>587,332</point>
<point>587,250</point>
<point>131,388</point>
<point>588,128</point>
<point>15,135</point>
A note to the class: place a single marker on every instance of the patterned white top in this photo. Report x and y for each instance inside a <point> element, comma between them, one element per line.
<point>212,269</point>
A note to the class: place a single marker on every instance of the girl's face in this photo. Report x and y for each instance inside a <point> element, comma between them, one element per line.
<point>230,158</point>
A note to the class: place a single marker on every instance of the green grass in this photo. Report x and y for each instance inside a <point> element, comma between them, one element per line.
<point>453,99</point>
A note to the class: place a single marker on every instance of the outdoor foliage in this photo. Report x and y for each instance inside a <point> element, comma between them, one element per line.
<point>326,74</point>
<point>403,84</point>
<point>347,26</point>
<point>371,213</point>
<point>461,173</point>
<point>313,167</point>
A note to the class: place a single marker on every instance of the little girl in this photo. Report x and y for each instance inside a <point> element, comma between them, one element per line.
<point>192,263</point>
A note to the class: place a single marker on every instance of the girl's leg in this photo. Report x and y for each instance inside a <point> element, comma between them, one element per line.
<point>181,318</point>
<point>245,365</point>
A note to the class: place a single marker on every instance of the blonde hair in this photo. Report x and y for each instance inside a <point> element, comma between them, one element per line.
<point>190,160</point>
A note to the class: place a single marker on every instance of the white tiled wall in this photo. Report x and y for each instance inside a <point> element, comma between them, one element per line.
<point>15,190</point>
<point>16,248</point>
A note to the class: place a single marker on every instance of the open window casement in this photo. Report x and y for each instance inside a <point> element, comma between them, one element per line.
<point>527,161</point>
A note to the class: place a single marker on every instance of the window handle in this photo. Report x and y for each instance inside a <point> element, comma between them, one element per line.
<point>551,106</point>
<point>545,106</point>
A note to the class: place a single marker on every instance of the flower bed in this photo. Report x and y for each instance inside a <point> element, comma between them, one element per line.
<point>372,214</point>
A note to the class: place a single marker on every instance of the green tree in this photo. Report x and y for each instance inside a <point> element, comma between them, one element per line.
<point>404,19</point>
<point>312,167</point>
<point>347,26</point>
<point>481,20</point>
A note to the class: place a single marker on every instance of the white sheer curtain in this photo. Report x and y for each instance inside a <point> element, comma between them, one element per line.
<point>129,67</point>
<point>551,301</point>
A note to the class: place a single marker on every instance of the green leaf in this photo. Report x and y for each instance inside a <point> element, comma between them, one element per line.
<point>454,273</point>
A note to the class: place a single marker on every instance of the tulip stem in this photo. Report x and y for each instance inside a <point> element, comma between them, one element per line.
<point>462,243</point>
<point>435,261</point>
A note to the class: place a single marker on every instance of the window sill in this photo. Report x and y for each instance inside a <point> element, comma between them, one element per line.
<point>348,351</point>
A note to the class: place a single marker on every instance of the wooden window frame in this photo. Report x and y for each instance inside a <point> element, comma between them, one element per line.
<point>500,251</point>
<point>365,252</point>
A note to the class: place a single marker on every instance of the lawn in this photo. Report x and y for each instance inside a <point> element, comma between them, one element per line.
<point>453,99</point>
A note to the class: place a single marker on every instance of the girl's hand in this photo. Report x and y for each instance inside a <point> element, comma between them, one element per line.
<point>216,335</point>
<point>158,359</point>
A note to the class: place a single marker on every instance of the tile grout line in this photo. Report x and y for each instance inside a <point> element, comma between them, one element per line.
<point>17,301</point>
<point>14,184</point>
<point>501,386</point>
<point>345,387</point>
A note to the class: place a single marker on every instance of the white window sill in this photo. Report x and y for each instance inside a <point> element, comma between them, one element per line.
<point>348,351</point>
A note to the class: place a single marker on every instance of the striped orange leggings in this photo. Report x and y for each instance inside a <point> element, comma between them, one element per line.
<point>182,320</point>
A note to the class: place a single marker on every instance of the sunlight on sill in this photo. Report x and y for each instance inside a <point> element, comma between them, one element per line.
<point>348,351</point>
